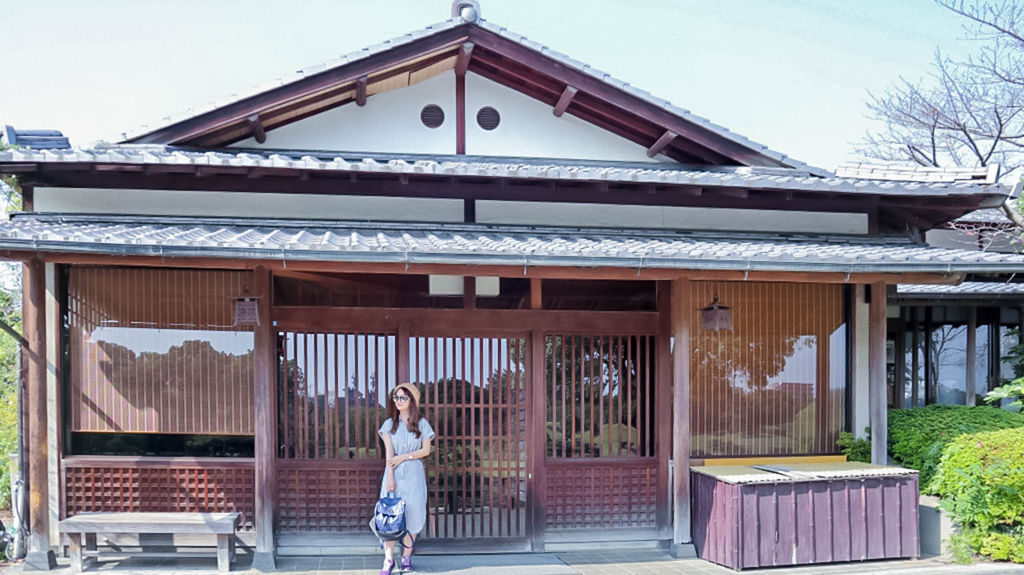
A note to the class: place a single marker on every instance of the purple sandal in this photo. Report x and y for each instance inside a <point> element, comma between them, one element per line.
<point>406,563</point>
<point>389,564</point>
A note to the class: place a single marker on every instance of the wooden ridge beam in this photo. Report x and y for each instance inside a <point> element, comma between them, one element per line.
<point>462,61</point>
<point>564,100</point>
<point>662,143</point>
<point>361,91</point>
<point>257,129</point>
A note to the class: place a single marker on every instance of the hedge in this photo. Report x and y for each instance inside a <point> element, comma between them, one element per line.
<point>980,479</point>
<point>918,436</point>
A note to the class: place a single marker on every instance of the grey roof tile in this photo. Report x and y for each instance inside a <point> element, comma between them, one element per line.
<point>534,168</point>
<point>962,290</point>
<point>488,245</point>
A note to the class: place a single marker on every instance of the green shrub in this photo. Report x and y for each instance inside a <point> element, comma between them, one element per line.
<point>981,481</point>
<point>855,449</point>
<point>917,436</point>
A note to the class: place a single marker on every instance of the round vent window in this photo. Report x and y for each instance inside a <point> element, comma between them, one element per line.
<point>488,118</point>
<point>432,116</point>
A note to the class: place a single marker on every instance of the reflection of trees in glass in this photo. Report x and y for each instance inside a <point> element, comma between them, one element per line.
<point>948,359</point>
<point>599,401</point>
<point>191,388</point>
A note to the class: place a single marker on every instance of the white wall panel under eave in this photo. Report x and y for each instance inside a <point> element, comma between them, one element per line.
<point>389,122</point>
<point>244,205</point>
<point>667,217</point>
<point>529,128</point>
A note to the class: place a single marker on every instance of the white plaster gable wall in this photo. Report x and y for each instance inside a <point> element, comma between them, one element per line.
<point>244,205</point>
<point>529,128</point>
<point>389,122</point>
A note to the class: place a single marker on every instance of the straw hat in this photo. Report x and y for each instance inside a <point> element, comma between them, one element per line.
<point>411,390</point>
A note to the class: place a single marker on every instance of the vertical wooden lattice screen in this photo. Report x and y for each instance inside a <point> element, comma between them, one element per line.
<point>155,351</point>
<point>474,393</point>
<point>600,465</point>
<point>331,402</point>
<point>774,383</point>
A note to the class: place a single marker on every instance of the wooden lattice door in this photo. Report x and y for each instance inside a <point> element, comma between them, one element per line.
<point>474,394</point>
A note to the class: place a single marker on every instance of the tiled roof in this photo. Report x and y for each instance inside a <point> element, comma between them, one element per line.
<point>35,139</point>
<point>476,244</point>
<point>964,290</point>
<point>993,216</point>
<point>509,35</point>
<point>520,168</point>
<point>897,172</point>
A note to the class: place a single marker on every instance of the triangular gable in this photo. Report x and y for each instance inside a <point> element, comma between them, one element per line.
<point>478,47</point>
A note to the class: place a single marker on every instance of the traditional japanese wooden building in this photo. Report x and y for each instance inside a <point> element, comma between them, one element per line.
<point>593,288</point>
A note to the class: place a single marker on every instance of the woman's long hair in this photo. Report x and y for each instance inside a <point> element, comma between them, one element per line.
<point>414,414</point>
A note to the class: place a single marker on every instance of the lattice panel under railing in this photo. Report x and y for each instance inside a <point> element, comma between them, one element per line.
<point>133,488</point>
<point>324,499</point>
<point>600,495</point>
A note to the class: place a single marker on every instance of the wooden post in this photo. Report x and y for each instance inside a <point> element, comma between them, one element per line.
<point>972,344</point>
<point>915,362</point>
<point>681,542</point>
<point>536,436</point>
<point>878,416</point>
<point>40,557</point>
<point>663,408</point>
<point>265,351</point>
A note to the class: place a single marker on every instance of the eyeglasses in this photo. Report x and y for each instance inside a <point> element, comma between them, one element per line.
<point>398,398</point>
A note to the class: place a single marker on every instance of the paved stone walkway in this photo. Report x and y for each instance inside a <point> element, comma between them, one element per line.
<point>611,562</point>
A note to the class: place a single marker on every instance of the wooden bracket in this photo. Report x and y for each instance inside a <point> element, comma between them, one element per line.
<point>465,55</point>
<point>564,100</point>
<point>257,129</point>
<point>361,91</point>
<point>662,143</point>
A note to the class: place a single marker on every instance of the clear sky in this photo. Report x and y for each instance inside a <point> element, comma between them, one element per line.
<point>790,74</point>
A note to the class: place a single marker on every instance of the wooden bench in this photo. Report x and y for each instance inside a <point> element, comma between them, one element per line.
<point>87,525</point>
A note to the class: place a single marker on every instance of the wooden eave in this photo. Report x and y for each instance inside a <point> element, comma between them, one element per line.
<point>499,59</point>
<point>893,212</point>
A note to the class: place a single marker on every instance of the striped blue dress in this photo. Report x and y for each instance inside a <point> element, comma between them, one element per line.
<point>410,476</point>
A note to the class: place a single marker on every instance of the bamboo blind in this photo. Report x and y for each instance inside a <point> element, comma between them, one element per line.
<point>774,384</point>
<point>154,351</point>
<point>599,396</point>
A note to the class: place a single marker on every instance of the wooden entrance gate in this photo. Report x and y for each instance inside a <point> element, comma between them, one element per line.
<point>539,429</point>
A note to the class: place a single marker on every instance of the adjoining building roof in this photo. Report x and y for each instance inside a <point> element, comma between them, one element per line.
<point>493,52</point>
<point>484,245</point>
<point>35,139</point>
<point>154,156</point>
<point>898,172</point>
<point>965,290</point>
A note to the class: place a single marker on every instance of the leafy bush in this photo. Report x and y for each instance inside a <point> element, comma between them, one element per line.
<point>981,481</point>
<point>918,436</point>
<point>855,449</point>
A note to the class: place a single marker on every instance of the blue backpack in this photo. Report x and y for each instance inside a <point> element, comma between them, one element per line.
<point>388,522</point>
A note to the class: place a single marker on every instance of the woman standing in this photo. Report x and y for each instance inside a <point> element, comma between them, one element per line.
<point>406,438</point>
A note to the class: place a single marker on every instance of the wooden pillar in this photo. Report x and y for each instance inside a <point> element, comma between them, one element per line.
<point>265,351</point>
<point>681,417</point>
<point>663,409</point>
<point>40,557</point>
<point>536,436</point>
<point>878,416</point>
<point>972,352</point>
<point>915,361</point>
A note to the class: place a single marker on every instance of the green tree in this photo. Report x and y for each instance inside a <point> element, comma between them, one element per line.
<point>10,313</point>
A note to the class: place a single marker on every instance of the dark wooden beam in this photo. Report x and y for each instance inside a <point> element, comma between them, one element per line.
<point>462,61</point>
<point>662,143</point>
<point>265,414</point>
<point>877,405</point>
<point>536,295</point>
<point>256,127</point>
<point>460,114</point>
<point>361,91</point>
<point>40,556</point>
<point>564,100</point>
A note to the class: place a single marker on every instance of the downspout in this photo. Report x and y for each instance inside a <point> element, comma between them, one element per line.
<point>18,483</point>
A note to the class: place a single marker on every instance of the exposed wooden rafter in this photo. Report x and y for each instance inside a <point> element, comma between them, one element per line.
<point>256,126</point>
<point>662,143</point>
<point>564,100</point>
<point>361,91</point>
<point>462,62</point>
